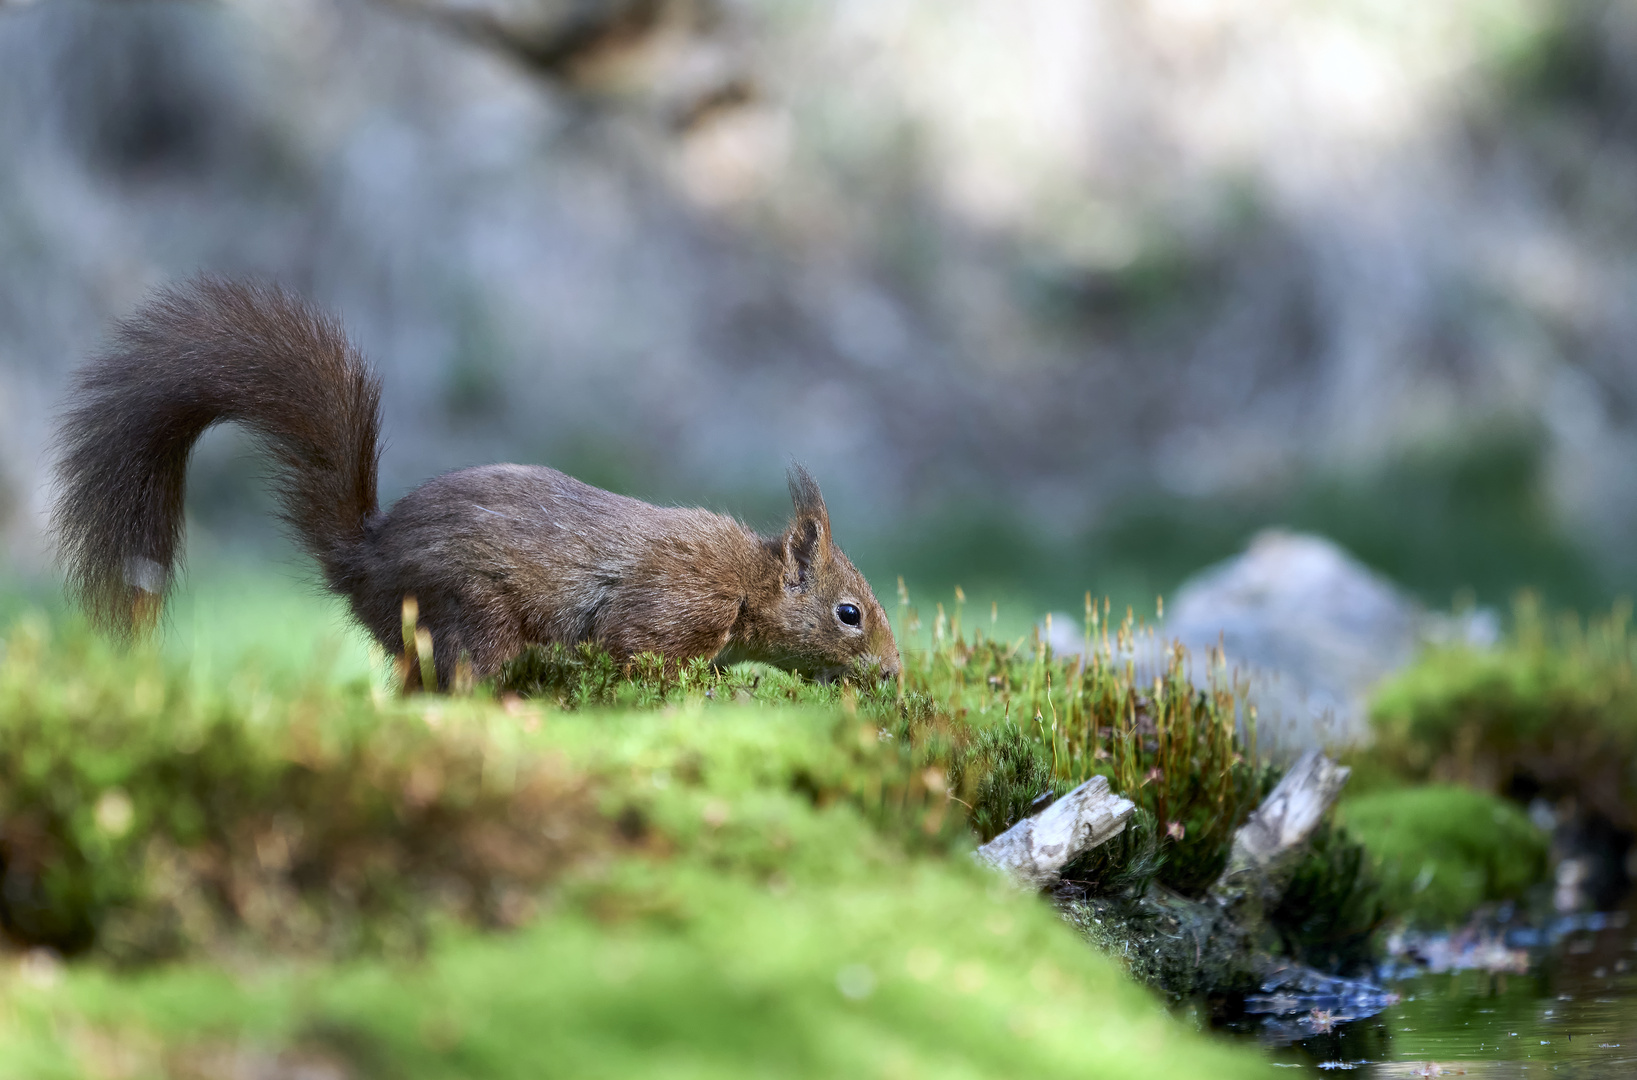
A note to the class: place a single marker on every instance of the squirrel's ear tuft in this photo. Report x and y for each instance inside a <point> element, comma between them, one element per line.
<point>807,540</point>
<point>804,493</point>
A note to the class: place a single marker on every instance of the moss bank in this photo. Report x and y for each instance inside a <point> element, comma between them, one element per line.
<point>723,887</point>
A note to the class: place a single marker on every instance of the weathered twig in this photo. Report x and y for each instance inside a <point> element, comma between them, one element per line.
<point>1035,850</point>
<point>1267,847</point>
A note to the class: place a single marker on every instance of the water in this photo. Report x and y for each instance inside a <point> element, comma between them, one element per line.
<point>1572,1014</point>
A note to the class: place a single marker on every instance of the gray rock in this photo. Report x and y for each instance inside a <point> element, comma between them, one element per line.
<point>1309,629</point>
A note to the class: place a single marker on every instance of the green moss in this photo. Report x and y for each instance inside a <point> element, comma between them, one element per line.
<point>1551,711</point>
<point>738,889</point>
<point>1441,851</point>
<point>1173,748</point>
<point>147,814</point>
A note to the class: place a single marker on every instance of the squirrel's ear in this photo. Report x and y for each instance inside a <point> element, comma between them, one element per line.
<point>807,540</point>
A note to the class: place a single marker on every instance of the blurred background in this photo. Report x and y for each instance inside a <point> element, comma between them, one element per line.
<point>1051,295</point>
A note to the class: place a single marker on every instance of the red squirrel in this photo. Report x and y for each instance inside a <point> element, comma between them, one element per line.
<point>498,558</point>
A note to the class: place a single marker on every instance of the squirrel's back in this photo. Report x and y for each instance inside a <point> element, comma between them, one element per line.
<point>501,556</point>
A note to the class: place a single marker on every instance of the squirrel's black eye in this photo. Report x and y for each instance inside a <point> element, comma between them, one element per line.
<point>849,614</point>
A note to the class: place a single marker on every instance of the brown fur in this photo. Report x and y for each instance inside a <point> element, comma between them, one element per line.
<point>498,557</point>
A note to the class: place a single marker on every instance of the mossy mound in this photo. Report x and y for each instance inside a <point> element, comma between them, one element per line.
<point>1443,850</point>
<point>723,890</point>
<point>1552,710</point>
<point>142,818</point>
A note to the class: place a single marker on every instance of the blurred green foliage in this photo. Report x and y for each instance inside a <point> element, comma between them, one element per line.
<point>1571,63</point>
<point>1469,518</point>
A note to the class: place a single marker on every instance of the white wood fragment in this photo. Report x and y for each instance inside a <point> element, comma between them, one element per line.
<point>1270,843</point>
<point>1035,850</point>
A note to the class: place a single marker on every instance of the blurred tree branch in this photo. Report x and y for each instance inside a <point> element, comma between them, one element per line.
<point>686,59</point>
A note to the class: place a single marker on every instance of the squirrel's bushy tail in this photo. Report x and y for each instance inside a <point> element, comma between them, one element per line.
<point>201,353</point>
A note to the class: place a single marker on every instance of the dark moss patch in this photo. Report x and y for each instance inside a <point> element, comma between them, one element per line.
<point>1124,867</point>
<point>1330,912</point>
<point>1006,775</point>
